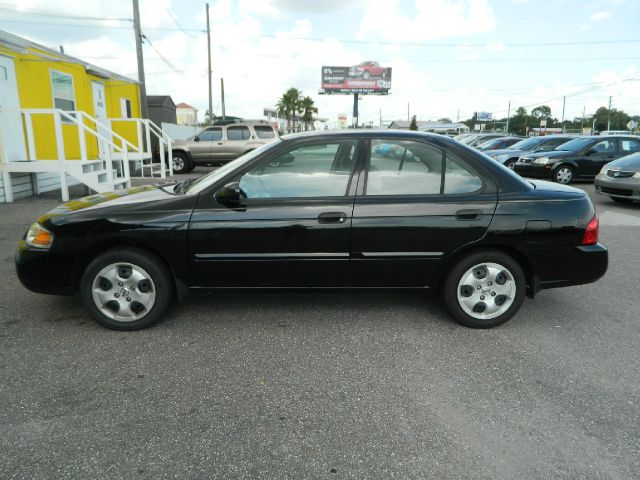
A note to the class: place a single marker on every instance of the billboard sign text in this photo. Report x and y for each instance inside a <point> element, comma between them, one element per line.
<point>367,77</point>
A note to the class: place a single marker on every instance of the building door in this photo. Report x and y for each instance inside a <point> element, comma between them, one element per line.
<point>11,134</point>
<point>100,113</point>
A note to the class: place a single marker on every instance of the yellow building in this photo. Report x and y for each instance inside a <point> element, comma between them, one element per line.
<point>64,121</point>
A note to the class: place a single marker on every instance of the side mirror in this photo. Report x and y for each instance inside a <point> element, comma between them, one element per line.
<point>592,151</point>
<point>230,194</point>
<point>196,139</point>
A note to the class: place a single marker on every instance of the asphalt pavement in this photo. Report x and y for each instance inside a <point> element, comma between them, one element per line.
<point>326,385</point>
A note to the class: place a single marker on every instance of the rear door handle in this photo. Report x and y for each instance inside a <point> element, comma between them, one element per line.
<point>332,217</point>
<point>468,214</point>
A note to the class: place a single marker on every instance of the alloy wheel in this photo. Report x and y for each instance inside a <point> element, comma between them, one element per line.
<point>123,292</point>
<point>178,164</point>
<point>564,175</point>
<point>486,291</point>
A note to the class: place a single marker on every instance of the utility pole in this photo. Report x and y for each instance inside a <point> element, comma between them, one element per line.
<point>209,57</point>
<point>564,99</point>
<point>380,116</point>
<point>408,119</point>
<point>582,121</point>
<point>138,34</point>
<point>222,97</point>
<point>508,115</point>
<point>609,117</point>
<point>355,110</point>
<point>458,117</point>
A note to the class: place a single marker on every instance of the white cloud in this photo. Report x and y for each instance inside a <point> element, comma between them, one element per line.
<point>427,20</point>
<point>600,16</point>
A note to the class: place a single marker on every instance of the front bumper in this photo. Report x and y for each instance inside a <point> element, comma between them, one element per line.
<point>533,170</point>
<point>618,187</point>
<point>42,271</point>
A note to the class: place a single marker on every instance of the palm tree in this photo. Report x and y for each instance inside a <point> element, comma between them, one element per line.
<point>307,108</point>
<point>288,105</point>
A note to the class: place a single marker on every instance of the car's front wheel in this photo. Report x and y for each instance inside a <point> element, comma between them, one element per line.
<point>484,289</point>
<point>126,289</point>
<point>563,174</point>
<point>622,200</point>
<point>511,163</point>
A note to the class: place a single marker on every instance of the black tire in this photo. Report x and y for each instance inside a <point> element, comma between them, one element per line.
<point>622,200</point>
<point>454,277</point>
<point>161,287</point>
<point>511,163</point>
<point>181,163</point>
<point>563,174</point>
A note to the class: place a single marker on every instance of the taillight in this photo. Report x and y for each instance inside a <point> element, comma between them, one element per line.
<point>590,236</point>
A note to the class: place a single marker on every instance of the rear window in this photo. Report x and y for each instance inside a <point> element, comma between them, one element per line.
<point>238,133</point>
<point>263,131</point>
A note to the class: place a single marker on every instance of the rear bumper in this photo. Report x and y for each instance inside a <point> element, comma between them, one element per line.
<point>566,266</point>
<point>622,188</point>
<point>533,170</point>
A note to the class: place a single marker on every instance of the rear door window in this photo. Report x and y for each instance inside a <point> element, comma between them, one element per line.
<point>238,133</point>
<point>629,145</point>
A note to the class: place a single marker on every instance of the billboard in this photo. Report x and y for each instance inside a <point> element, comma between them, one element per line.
<point>366,77</point>
<point>484,116</point>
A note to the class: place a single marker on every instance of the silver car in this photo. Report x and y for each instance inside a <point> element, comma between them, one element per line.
<point>221,144</point>
<point>620,179</point>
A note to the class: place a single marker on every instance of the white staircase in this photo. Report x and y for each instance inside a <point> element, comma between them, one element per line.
<point>109,170</point>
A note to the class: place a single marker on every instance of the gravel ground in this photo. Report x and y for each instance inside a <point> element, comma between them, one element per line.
<point>297,385</point>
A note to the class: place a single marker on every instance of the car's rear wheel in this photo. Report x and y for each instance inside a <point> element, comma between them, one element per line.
<point>622,200</point>
<point>484,289</point>
<point>181,163</point>
<point>511,163</point>
<point>126,289</point>
<point>563,174</point>
<point>365,75</point>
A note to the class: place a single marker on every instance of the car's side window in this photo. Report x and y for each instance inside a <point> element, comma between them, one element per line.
<point>458,178</point>
<point>400,167</point>
<point>629,146</point>
<point>238,133</point>
<point>211,135</point>
<point>605,146</point>
<point>317,170</point>
<point>264,131</point>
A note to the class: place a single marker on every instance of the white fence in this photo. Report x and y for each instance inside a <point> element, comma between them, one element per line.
<point>179,132</point>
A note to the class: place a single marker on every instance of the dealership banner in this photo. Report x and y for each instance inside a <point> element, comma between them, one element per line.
<point>367,77</point>
<point>484,116</point>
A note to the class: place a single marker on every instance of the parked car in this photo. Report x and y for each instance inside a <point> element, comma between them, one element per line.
<point>221,143</point>
<point>509,156</point>
<point>497,143</point>
<point>461,136</point>
<point>475,140</point>
<point>338,215</point>
<point>620,179</point>
<point>368,69</point>
<point>580,158</point>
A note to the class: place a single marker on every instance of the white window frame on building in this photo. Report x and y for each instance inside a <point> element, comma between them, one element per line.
<point>125,108</point>
<point>63,98</point>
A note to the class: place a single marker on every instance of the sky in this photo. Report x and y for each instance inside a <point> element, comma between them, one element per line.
<point>450,58</point>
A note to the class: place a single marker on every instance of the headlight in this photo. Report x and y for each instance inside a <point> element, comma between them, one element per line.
<point>636,175</point>
<point>603,170</point>
<point>39,237</point>
<point>542,160</point>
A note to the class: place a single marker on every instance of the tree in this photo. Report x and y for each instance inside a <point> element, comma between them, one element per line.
<point>619,119</point>
<point>307,108</point>
<point>288,105</point>
<point>445,120</point>
<point>414,123</point>
<point>543,111</point>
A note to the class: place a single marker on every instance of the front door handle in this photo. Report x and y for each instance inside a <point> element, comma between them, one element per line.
<point>468,214</point>
<point>332,217</point>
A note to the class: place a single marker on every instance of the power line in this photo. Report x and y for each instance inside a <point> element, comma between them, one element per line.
<point>44,13</point>
<point>178,25</point>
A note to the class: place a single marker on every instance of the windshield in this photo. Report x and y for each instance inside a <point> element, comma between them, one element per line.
<point>526,144</point>
<point>575,145</point>
<point>489,143</point>
<point>207,180</point>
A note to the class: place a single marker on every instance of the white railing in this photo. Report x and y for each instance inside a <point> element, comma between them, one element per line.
<point>65,165</point>
<point>145,129</point>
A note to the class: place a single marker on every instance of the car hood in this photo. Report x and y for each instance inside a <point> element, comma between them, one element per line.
<point>630,162</point>
<point>130,196</point>
<point>507,151</point>
<point>552,154</point>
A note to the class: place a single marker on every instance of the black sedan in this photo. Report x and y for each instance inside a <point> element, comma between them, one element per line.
<point>336,214</point>
<point>497,143</point>
<point>581,158</point>
<point>509,156</point>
